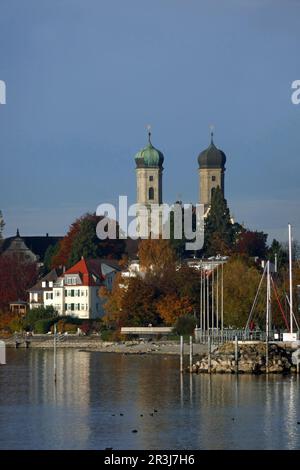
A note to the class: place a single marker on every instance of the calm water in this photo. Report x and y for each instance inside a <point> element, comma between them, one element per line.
<point>197,412</point>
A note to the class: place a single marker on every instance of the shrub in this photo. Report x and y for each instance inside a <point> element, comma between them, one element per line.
<point>43,326</point>
<point>63,326</point>
<point>107,335</point>
<point>185,325</point>
<point>16,324</point>
<point>39,313</point>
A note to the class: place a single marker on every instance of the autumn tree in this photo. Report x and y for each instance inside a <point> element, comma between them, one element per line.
<point>172,306</point>
<point>82,240</point>
<point>241,280</point>
<point>252,243</point>
<point>156,256</point>
<point>16,277</point>
<point>112,300</point>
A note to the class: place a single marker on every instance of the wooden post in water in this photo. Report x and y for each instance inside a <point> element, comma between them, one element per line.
<point>181,353</point>
<point>54,350</point>
<point>236,354</point>
<point>209,354</point>
<point>267,355</point>
<point>191,354</point>
<point>2,352</point>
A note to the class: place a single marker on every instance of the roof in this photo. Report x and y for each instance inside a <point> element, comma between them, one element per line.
<point>37,244</point>
<point>212,157</point>
<point>149,156</point>
<point>92,271</point>
<point>18,302</point>
<point>51,276</point>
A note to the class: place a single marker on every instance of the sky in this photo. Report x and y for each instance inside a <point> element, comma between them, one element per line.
<point>84,78</point>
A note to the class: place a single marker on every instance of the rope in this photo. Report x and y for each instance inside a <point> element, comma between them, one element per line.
<point>279,303</point>
<point>255,299</point>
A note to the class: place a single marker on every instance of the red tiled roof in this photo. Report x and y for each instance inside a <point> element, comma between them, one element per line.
<point>87,269</point>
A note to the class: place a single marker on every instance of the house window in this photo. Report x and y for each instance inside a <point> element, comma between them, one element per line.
<point>150,178</point>
<point>213,178</point>
<point>151,194</point>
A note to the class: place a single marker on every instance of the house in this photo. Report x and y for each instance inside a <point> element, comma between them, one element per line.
<point>30,249</point>
<point>18,307</point>
<point>41,294</point>
<point>75,291</point>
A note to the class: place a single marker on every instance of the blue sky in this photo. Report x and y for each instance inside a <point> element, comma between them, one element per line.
<point>84,78</point>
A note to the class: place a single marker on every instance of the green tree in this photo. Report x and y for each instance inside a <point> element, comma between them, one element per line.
<point>86,243</point>
<point>276,248</point>
<point>51,251</point>
<point>2,224</point>
<point>185,325</point>
<point>219,230</point>
<point>241,280</point>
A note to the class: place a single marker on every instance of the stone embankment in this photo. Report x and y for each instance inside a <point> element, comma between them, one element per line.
<point>251,360</point>
<point>94,343</point>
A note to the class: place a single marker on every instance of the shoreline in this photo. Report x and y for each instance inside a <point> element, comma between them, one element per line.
<point>96,345</point>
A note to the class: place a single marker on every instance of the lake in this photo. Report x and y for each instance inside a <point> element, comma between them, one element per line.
<point>99,399</point>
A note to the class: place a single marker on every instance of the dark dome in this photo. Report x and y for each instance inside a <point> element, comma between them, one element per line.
<point>212,157</point>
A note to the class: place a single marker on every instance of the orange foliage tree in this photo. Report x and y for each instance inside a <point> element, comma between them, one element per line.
<point>171,307</point>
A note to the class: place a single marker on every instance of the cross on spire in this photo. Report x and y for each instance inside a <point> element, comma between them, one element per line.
<point>212,128</point>
<point>149,133</point>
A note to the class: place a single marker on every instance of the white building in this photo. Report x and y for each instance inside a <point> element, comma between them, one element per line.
<point>75,292</point>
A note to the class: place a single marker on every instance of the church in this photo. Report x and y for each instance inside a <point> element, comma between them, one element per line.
<point>149,174</point>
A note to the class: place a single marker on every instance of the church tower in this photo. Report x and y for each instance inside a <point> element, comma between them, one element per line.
<point>149,171</point>
<point>211,172</point>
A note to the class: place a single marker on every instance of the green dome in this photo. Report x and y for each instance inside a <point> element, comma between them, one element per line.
<point>149,156</point>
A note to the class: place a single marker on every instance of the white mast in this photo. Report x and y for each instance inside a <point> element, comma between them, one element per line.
<point>268,315</point>
<point>291,279</point>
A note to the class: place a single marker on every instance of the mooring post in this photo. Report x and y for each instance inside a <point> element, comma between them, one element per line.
<point>267,354</point>
<point>191,354</point>
<point>181,354</point>
<point>2,352</point>
<point>54,351</point>
<point>236,354</point>
<point>209,354</point>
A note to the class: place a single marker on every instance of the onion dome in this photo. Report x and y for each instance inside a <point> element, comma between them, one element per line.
<point>212,157</point>
<point>149,156</point>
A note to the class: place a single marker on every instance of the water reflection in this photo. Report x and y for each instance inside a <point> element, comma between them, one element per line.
<point>100,398</point>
